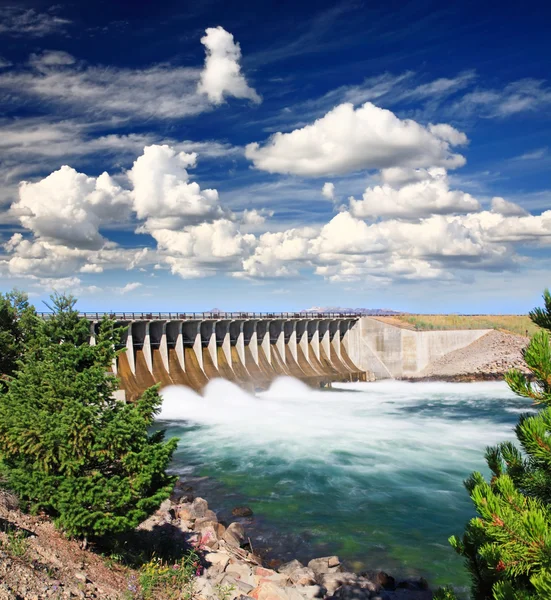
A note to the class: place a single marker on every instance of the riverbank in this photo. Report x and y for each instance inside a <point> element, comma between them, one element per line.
<point>37,562</point>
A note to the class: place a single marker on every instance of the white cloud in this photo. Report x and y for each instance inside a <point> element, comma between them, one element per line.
<point>163,194</point>
<point>69,207</point>
<point>19,21</point>
<point>51,59</point>
<point>425,192</point>
<point>328,191</point>
<point>348,139</point>
<point>222,75</point>
<point>129,287</point>
<point>4,63</point>
<point>90,268</point>
<point>504,207</point>
<point>534,155</point>
<point>525,95</point>
<point>256,217</point>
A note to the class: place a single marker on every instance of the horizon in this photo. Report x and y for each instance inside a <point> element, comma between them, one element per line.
<point>273,158</point>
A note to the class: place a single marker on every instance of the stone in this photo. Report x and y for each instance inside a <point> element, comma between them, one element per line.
<point>241,572</point>
<point>313,591</point>
<point>204,588</point>
<point>199,507</point>
<point>268,591</point>
<point>351,592</point>
<point>332,581</point>
<point>298,573</point>
<point>320,566</point>
<point>218,561</point>
<point>184,512</point>
<point>242,511</point>
<point>208,538</point>
<point>262,572</point>
<point>385,580</point>
<point>234,535</point>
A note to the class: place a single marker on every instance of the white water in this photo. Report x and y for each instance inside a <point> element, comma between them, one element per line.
<point>397,420</point>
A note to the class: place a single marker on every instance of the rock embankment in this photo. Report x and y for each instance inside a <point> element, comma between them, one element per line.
<point>489,357</point>
<point>50,566</point>
<point>230,564</point>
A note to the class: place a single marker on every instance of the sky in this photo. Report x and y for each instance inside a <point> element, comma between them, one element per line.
<point>274,156</point>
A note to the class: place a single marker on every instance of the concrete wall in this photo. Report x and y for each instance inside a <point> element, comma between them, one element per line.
<point>387,351</point>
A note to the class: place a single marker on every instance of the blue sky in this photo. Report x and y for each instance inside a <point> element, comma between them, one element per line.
<point>276,156</point>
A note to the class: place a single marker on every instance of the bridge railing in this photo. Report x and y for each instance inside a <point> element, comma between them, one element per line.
<point>177,316</point>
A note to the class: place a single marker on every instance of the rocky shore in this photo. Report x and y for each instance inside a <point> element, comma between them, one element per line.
<point>486,359</point>
<point>54,567</point>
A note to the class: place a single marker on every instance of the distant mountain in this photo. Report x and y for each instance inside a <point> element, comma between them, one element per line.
<point>363,311</point>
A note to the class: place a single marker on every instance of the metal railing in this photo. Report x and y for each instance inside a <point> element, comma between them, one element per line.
<point>179,316</point>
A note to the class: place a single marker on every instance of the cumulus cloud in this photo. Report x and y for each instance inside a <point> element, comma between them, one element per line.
<point>222,75</point>
<point>423,192</point>
<point>507,208</point>
<point>69,207</point>
<point>328,191</point>
<point>162,193</point>
<point>423,229</point>
<point>348,139</point>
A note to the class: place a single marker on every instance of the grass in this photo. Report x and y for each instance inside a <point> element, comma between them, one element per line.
<point>159,579</point>
<point>16,543</point>
<point>518,324</point>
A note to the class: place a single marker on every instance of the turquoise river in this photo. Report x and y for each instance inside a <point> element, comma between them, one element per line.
<point>371,472</point>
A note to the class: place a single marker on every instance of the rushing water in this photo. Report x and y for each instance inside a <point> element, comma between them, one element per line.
<point>371,472</point>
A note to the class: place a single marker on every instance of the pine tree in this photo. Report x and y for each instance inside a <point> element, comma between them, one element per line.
<point>507,547</point>
<point>17,324</point>
<point>67,446</point>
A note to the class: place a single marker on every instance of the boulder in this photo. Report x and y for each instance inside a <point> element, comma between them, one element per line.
<point>268,591</point>
<point>208,538</point>
<point>313,591</point>
<point>298,573</point>
<point>199,508</point>
<point>386,581</point>
<point>332,581</point>
<point>217,561</point>
<point>241,572</point>
<point>326,564</point>
<point>351,592</point>
<point>242,511</point>
<point>234,535</point>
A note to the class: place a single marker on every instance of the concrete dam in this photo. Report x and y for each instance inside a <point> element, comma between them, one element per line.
<point>252,349</point>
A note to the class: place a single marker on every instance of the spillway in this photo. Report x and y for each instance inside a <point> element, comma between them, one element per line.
<point>253,349</point>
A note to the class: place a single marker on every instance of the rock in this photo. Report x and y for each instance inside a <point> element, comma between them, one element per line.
<point>332,581</point>
<point>208,538</point>
<point>242,511</point>
<point>241,572</point>
<point>234,535</point>
<point>204,588</point>
<point>298,573</point>
<point>217,561</point>
<point>386,581</point>
<point>313,591</point>
<point>321,566</point>
<point>268,591</point>
<point>81,576</point>
<point>199,508</point>
<point>166,505</point>
<point>8,501</point>
<point>351,592</point>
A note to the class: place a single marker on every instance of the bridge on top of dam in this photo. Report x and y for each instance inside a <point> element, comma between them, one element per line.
<point>252,348</point>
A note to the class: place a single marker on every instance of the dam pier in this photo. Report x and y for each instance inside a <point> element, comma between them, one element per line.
<point>250,349</point>
<point>253,349</point>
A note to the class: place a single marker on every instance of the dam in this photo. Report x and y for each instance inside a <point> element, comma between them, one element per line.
<point>253,349</point>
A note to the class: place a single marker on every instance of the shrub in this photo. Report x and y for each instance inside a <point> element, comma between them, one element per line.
<point>67,446</point>
<point>163,580</point>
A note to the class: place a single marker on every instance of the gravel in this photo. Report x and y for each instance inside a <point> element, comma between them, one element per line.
<point>491,355</point>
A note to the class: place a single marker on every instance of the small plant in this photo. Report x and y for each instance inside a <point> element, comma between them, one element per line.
<point>17,544</point>
<point>223,592</point>
<point>159,579</point>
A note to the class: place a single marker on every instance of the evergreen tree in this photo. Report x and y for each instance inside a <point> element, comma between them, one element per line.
<point>67,446</point>
<point>507,547</point>
<point>17,324</point>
